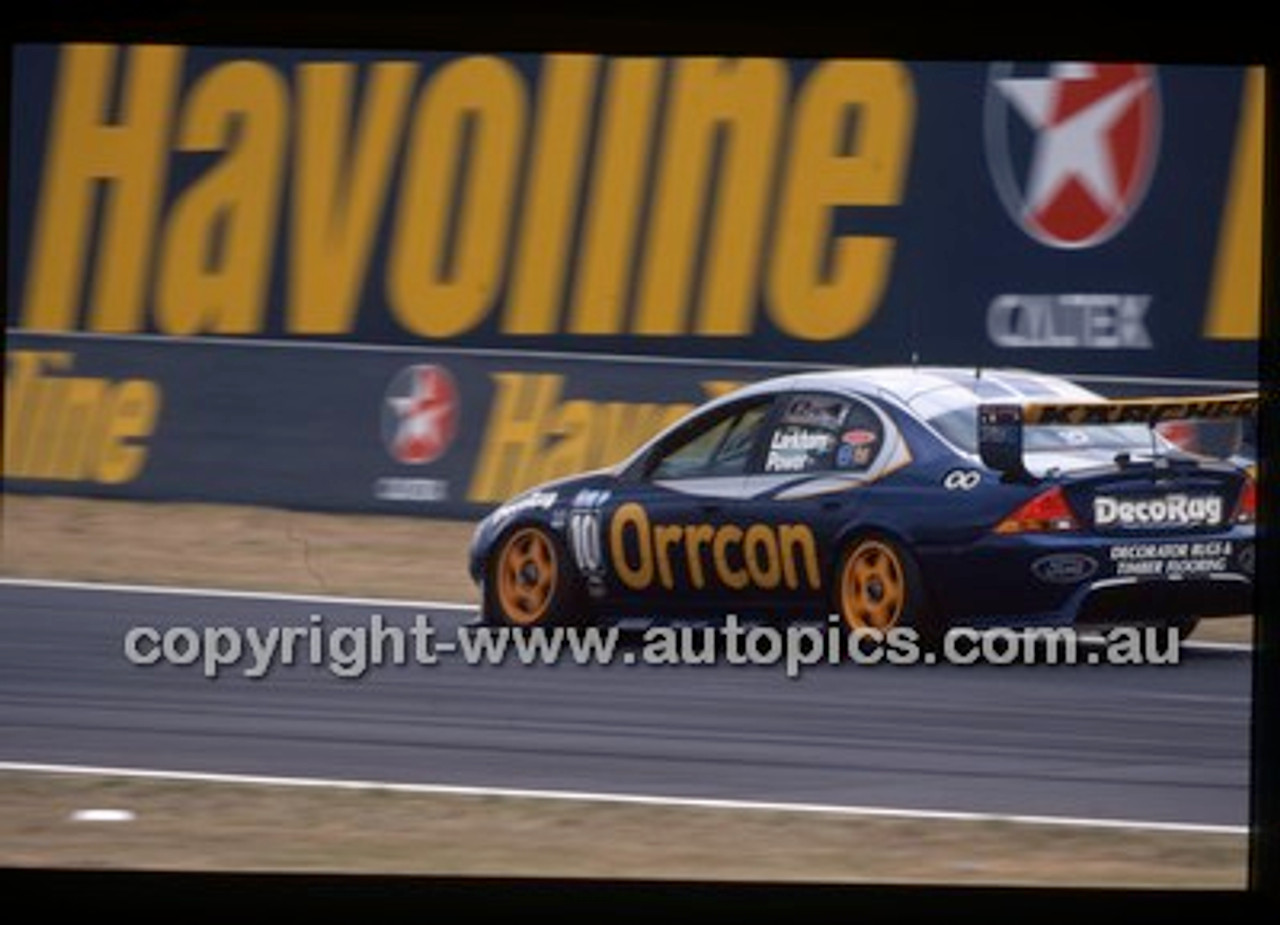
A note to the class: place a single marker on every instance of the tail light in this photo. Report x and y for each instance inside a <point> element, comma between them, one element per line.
<point>1046,512</point>
<point>1247,506</point>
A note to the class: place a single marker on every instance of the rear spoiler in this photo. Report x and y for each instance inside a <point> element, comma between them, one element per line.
<point>1000,425</point>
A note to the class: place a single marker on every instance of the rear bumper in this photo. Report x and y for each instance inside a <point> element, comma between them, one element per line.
<point>1068,578</point>
<point>1116,600</point>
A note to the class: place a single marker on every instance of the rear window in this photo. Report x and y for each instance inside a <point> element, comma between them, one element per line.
<point>960,427</point>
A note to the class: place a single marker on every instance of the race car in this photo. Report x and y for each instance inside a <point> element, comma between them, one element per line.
<point>903,496</point>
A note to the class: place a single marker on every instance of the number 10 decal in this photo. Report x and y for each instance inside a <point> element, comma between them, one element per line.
<point>584,530</point>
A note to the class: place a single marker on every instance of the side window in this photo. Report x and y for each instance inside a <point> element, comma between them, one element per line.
<point>720,445</point>
<point>817,433</point>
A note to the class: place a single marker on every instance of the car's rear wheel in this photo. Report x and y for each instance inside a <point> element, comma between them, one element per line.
<point>878,587</point>
<point>529,584</point>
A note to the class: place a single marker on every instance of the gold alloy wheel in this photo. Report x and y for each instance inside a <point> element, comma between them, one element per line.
<point>873,586</point>
<point>527,576</point>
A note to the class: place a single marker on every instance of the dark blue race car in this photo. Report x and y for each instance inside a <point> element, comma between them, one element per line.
<point>921,497</point>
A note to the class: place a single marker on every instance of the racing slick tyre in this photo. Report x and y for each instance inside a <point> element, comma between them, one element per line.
<point>878,587</point>
<point>528,582</point>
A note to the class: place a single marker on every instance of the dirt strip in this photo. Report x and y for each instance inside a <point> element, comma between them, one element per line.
<point>237,547</point>
<point>181,825</point>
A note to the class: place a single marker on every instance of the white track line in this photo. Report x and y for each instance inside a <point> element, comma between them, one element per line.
<point>1218,646</point>
<point>227,592</point>
<point>622,798</point>
<point>179,591</point>
<point>1205,645</point>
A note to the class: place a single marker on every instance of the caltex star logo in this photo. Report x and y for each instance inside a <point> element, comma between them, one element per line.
<point>420,415</point>
<point>1072,148</point>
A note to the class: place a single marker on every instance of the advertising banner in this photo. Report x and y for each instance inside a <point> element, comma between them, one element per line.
<point>1071,217</point>
<point>391,431</point>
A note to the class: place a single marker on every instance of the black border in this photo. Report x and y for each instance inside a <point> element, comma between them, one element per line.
<point>785,30</point>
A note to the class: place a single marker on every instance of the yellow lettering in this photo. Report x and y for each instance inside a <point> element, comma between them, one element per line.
<point>714,388</point>
<point>467,135</point>
<point>41,459</point>
<point>24,392</point>
<point>633,516</point>
<point>570,438</point>
<point>693,254</point>
<point>341,176</point>
<point>734,105</point>
<point>696,537</point>
<point>77,425</point>
<point>664,537</point>
<point>760,550</point>
<point>793,537</point>
<point>620,427</point>
<point>768,556</point>
<point>134,408</point>
<point>731,577</point>
<point>807,299</point>
<point>88,148</point>
<point>551,198</point>
<point>1235,305</point>
<point>220,236</point>
<point>613,203</point>
<point>532,437</point>
<point>513,439</point>
<point>74,428</point>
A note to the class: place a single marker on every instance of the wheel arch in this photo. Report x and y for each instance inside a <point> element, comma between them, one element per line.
<point>856,531</point>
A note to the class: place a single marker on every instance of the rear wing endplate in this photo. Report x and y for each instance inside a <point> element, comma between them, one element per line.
<point>1000,425</point>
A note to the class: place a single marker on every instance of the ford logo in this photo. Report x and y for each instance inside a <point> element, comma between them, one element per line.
<point>1064,567</point>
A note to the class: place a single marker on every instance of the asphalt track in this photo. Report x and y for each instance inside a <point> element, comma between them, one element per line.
<point>1163,744</point>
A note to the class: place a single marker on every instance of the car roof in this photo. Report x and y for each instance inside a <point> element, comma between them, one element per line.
<point>925,391</point>
<point>928,389</point>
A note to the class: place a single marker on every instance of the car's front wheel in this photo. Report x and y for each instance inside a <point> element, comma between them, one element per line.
<point>529,583</point>
<point>878,587</point>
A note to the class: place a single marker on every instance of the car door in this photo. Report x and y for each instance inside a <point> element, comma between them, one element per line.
<point>818,455</point>
<point>669,523</point>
